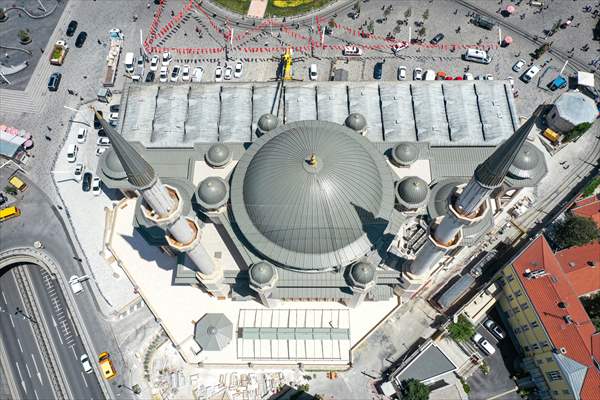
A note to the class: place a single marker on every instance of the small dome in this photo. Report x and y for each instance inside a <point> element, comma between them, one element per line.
<point>218,155</point>
<point>112,166</point>
<point>356,121</point>
<point>525,162</point>
<point>261,272</point>
<point>267,122</point>
<point>362,272</point>
<point>405,153</point>
<point>212,193</point>
<point>413,190</point>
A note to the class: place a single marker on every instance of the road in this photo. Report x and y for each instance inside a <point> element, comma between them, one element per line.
<point>28,368</point>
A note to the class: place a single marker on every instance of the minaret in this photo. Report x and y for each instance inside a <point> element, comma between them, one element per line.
<point>468,203</point>
<point>164,207</point>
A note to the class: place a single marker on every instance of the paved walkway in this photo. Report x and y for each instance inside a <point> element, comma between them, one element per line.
<point>257,8</point>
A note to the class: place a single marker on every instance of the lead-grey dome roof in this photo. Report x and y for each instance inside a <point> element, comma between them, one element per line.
<point>212,193</point>
<point>362,272</point>
<point>412,190</point>
<point>405,153</point>
<point>312,216</point>
<point>356,122</point>
<point>111,165</point>
<point>525,162</point>
<point>267,122</point>
<point>218,155</point>
<point>261,272</point>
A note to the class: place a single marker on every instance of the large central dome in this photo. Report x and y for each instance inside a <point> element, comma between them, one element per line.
<point>312,195</point>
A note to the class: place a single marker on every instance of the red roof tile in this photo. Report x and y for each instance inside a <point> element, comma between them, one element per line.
<point>582,266</point>
<point>545,293</point>
<point>588,207</point>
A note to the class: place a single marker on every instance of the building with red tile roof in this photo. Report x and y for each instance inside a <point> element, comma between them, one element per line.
<point>582,266</point>
<point>588,207</point>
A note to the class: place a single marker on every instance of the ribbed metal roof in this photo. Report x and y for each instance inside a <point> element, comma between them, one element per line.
<point>261,272</point>
<point>212,193</point>
<point>363,272</point>
<point>525,162</point>
<point>405,153</point>
<point>413,190</point>
<point>218,155</point>
<point>312,216</point>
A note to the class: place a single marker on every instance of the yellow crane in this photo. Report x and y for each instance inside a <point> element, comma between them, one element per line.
<point>286,60</point>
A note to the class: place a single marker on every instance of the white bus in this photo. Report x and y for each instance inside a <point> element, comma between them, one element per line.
<point>478,56</point>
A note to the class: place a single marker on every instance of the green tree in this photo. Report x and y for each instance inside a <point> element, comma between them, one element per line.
<point>577,131</point>
<point>576,231</point>
<point>422,31</point>
<point>426,14</point>
<point>10,190</point>
<point>24,37</point>
<point>371,27</point>
<point>462,329</point>
<point>412,389</point>
<point>592,307</point>
<point>407,13</point>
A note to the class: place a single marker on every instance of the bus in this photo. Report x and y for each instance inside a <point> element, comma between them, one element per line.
<point>17,183</point>
<point>9,212</point>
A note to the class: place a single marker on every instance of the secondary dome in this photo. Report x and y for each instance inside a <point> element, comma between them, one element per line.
<point>356,121</point>
<point>525,162</point>
<point>362,272</point>
<point>412,190</point>
<point>312,195</point>
<point>267,122</point>
<point>111,165</point>
<point>405,153</point>
<point>218,155</point>
<point>261,272</point>
<point>212,193</point>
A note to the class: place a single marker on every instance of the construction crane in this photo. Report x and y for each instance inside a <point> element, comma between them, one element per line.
<point>286,64</point>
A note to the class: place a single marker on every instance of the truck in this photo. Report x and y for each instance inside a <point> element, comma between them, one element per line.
<point>59,51</point>
<point>559,82</point>
<point>112,60</point>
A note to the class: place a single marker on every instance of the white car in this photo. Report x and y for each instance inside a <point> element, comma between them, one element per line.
<point>219,74</point>
<point>96,186</point>
<point>488,77</point>
<point>113,116</point>
<point>511,81</point>
<point>154,63</point>
<point>418,74</point>
<point>519,65</point>
<point>237,73</point>
<point>85,363</point>
<point>530,73</point>
<point>76,286</point>
<point>468,77</point>
<point>197,74</point>
<point>175,73</point>
<point>166,59</point>
<point>81,135</point>
<point>483,344</point>
<point>72,153</point>
<point>103,141</point>
<point>401,73</point>
<point>185,73</point>
<point>164,74</point>
<point>78,172</point>
<point>495,329</point>
<point>228,73</point>
<point>100,151</point>
<point>312,72</point>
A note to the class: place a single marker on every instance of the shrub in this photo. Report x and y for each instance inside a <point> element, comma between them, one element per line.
<point>576,231</point>
<point>577,131</point>
<point>462,329</point>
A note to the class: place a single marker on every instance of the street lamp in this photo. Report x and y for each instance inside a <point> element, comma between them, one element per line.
<point>19,311</point>
<point>136,389</point>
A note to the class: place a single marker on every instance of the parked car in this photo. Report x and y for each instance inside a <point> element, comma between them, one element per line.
<point>483,344</point>
<point>350,51</point>
<point>54,81</point>
<point>239,67</point>
<point>197,74</point>
<point>72,153</point>
<point>71,28</point>
<point>113,116</point>
<point>97,124</point>
<point>164,74</point>
<point>81,135</point>
<point>378,70</point>
<point>494,329</point>
<point>185,73</point>
<point>80,39</point>
<point>154,63</point>
<point>219,74</point>
<point>511,81</point>
<point>312,72</point>
<point>86,184</point>
<point>228,73</point>
<point>519,65</point>
<point>85,364</point>
<point>149,77</point>
<point>100,150</point>
<point>437,38</point>
<point>76,286</point>
<point>114,108</point>
<point>103,141</point>
<point>429,75</point>
<point>3,198</point>
<point>530,73</point>
<point>468,76</point>
<point>488,77</point>
<point>401,73</point>
<point>96,186</point>
<point>175,73</point>
<point>418,74</point>
<point>166,58</point>
<point>78,172</point>
<point>106,366</point>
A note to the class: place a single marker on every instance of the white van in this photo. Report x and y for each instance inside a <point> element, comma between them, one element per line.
<point>72,153</point>
<point>352,51</point>
<point>129,60</point>
<point>429,75</point>
<point>478,56</point>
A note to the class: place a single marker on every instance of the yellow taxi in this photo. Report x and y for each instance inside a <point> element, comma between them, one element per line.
<point>106,366</point>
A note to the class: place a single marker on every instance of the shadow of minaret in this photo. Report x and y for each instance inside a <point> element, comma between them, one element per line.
<point>374,227</point>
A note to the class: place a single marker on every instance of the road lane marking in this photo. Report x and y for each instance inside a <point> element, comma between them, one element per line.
<point>19,343</point>
<point>39,374</point>
<point>27,368</point>
<point>11,320</point>
<point>84,381</point>
<point>19,370</point>
<point>58,334</point>
<point>75,354</point>
<point>4,297</point>
<point>35,393</point>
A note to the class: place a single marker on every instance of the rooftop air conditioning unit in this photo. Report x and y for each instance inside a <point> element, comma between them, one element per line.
<point>568,319</point>
<point>563,350</point>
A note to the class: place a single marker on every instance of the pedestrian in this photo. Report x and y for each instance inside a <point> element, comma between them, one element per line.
<point>47,137</point>
<point>148,5</point>
<point>6,55</point>
<point>99,42</point>
<point>49,129</point>
<point>42,50</point>
<point>172,13</point>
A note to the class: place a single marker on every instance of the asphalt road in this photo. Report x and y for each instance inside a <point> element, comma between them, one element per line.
<point>28,368</point>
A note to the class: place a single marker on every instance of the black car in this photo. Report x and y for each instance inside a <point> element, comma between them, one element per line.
<point>86,183</point>
<point>80,39</point>
<point>72,28</point>
<point>3,198</point>
<point>378,71</point>
<point>437,38</point>
<point>150,76</point>
<point>102,133</point>
<point>97,124</point>
<point>54,81</point>
<point>115,108</point>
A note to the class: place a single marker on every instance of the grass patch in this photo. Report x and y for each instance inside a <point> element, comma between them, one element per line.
<point>591,187</point>
<point>286,8</point>
<point>238,6</point>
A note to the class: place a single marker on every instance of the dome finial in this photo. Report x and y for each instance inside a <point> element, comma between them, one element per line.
<point>313,160</point>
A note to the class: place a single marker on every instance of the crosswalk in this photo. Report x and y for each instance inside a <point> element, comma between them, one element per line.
<point>60,319</point>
